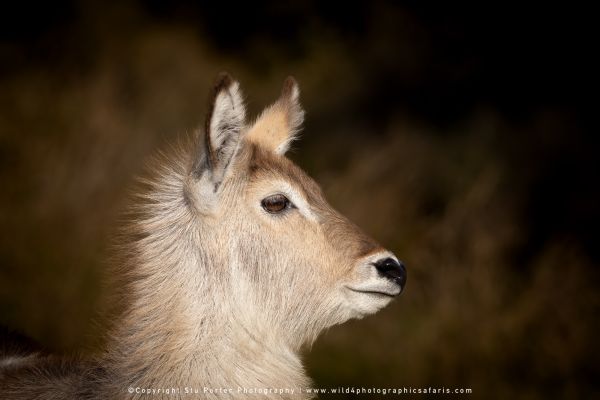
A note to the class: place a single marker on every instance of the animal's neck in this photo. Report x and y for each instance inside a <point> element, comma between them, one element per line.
<point>197,345</point>
<point>180,328</point>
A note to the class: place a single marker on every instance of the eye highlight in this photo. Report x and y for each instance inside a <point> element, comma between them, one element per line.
<point>276,203</point>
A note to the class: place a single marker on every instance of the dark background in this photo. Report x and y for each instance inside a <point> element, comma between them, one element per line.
<point>459,136</point>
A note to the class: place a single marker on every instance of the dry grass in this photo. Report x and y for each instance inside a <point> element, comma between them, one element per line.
<point>470,317</point>
<point>446,202</point>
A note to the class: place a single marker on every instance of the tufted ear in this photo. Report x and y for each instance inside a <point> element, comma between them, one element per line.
<point>279,124</point>
<point>224,126</point>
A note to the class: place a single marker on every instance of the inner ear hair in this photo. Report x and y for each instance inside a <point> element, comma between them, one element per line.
<point>222,83</point>
<point>225,122</point>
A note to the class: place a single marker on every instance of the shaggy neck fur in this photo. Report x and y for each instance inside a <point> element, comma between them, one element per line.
<point>181,325</point>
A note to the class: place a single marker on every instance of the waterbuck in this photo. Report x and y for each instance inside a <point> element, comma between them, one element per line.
<point>232,261</point>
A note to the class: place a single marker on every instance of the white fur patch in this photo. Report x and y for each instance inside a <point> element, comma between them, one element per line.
<point>229,116</point>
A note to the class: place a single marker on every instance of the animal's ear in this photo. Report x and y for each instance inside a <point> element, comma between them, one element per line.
<point>279,124</point>
<point>224,125</point>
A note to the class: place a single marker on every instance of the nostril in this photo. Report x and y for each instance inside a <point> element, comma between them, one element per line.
<point>392,269</point>
<point>387,264</point>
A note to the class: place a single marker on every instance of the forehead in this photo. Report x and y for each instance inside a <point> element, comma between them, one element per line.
<point>264,164</point>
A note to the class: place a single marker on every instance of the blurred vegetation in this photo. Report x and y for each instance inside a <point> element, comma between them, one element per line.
<point>458,138</point>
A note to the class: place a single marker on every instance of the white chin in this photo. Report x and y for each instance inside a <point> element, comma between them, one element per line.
<point>366,303</point>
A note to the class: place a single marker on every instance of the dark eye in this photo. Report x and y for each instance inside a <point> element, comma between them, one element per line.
<point>276,203</point>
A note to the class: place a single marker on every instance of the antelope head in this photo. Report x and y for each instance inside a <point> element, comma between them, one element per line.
<point>284,258</point>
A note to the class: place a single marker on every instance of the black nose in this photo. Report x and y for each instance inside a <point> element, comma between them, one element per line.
<point>392,270</point>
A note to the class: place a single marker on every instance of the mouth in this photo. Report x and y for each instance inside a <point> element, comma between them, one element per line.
<point>374,292</point>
